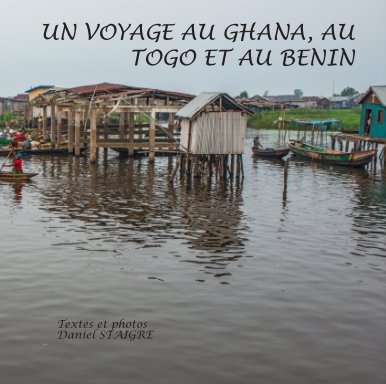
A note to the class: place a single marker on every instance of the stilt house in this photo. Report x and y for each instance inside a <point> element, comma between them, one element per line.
<point>373,121</point>
<point>213,124</point>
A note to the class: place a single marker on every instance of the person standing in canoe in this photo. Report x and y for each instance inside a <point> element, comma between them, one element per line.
<point>17,163</point>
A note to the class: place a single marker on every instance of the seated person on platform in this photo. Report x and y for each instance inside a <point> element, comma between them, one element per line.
<point>26,144</point>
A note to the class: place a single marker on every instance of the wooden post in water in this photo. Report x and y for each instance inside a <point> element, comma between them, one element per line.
<point>242,167</point>
<point>232,166</point>
<point>44,128</point>
<point>131,133</point>
<point>77,133</point>
<point>105,128</point>
<point>237,167</point>
<point>121,124</point>
<point>139,121</point>
<point>152,136</point>
<point>285,183</point>
<point>59,125</point>
<point>70,130</point>
<point>384,154</point>
<point>312,135</point>
<point>53,124</point>
<point>93,135</point>
<point>171,129</point>
<point>224,166</point>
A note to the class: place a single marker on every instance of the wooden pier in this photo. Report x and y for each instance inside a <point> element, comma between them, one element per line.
<point>130,120</point>
<point>356,143</point>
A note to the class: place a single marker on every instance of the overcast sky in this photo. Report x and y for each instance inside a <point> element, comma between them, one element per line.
<point>27,59</point>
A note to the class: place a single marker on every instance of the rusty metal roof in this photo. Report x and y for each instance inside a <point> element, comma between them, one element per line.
<point>200,102</point>
<point>21,97</point>
<point>102,87</point>
<point>110,88</point>
<point>380,92</point>
<point>39,87</point>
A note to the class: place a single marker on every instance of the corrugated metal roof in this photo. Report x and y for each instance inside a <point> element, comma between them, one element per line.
<point>337,99</point>
<point>38,87</point>
<point>284,98</point>
<point>21,97</point>
<point>84,89</point>
<point>380,91</point>
<point>199,102</point>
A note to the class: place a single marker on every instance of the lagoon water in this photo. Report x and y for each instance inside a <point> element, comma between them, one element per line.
<point>240,284</point>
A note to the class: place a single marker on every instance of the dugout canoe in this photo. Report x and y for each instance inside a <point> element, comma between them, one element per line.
<point>9,176</point>
<point>271,153</point>
<point>50,152</point>
<point>330,156</point>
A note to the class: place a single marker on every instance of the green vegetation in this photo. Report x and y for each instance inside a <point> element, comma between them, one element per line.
<point>244,94</point>
<point>349,91</point>
<point>350,118</point>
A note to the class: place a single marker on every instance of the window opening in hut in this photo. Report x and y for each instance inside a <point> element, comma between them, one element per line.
<point>381,116</point>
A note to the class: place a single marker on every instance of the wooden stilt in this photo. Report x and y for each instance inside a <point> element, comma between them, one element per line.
<point>189,171</point>
<point>70,131</point>
<point>59,126</point>
<point>237,166</point>
<point>53,123</point>
<point>77,133</point>
<point>285,183</point>
<point>139,120</point>
<point>232,166</point>
<point>171,129</point>
<point>152,136</point>
<point>44,128</point>
<point>242,167</point>
<point>121,125</point>
<point>197,170</point>
<point>131,133</point>
<point>176,170</point>
<point>93,135</point>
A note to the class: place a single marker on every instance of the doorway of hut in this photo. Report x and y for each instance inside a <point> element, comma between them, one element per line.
<point>367,122</point>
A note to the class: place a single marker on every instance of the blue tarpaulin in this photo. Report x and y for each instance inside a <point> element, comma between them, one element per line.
<point>320,124</point>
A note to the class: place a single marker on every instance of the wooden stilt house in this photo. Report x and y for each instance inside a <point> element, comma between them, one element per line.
<point>213,126</point>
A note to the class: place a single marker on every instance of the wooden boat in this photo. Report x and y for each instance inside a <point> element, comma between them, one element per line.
<point>51,151</point>
<point>272,153</point>
<point>9,176</point>
<point>330,156</point>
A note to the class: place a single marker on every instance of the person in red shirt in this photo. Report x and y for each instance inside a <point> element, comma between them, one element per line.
<point>18,164</point>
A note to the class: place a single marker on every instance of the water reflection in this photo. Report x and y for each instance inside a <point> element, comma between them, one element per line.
<point>131,201</point>
<point>18,191</point>
<point>369,214</point>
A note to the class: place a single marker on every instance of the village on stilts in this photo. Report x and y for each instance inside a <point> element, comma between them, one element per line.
<point>205,133</point>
